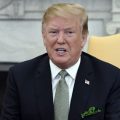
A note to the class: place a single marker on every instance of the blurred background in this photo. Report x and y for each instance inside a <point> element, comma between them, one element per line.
<point>20,28</point>
<point>20,25</point>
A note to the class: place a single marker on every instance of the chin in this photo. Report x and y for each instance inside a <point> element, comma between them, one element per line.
<point>61,59</point>
<point>63,64</point>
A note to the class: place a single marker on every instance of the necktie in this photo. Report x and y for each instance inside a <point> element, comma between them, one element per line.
<point>61,102</point>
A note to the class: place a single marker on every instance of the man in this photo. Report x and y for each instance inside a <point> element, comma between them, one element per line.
<point>93,85</point>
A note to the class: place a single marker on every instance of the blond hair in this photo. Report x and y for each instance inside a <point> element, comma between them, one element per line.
<point>65,10</point>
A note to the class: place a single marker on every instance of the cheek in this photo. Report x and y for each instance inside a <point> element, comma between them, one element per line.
<point>45,39</point>
<point>77,44</point>
<point>76,47</point>
<point>49,44</point>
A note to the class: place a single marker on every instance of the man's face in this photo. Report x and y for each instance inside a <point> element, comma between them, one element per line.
<point>63,40</point>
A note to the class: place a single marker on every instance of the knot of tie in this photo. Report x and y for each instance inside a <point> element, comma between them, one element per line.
<point>63,74</point>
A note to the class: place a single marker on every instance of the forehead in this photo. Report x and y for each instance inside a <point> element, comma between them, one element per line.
<point>59,22</point>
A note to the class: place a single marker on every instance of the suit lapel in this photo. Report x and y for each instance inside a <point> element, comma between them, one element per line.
<point>43,90</point>
<point>81,89</point>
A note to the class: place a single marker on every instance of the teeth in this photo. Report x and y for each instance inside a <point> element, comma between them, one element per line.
<point>60,49</point>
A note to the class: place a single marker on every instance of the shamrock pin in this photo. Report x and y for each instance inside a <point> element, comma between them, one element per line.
<point>91,111</point>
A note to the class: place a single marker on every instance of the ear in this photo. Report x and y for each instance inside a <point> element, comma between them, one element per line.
<point>44,37</point>
<point>84,39</point>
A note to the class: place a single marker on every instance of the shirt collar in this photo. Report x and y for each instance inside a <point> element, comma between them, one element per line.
<point>72,71</point>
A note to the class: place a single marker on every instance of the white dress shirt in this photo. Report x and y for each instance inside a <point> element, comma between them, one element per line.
<point>70,79</point>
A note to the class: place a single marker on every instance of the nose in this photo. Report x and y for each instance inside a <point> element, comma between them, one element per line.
<point>61,38</point>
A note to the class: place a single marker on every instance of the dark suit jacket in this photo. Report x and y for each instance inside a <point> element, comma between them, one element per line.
<point>96,94</point>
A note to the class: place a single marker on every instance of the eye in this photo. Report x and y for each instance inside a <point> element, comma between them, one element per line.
<point>69,33</point>
<point>53,32</point>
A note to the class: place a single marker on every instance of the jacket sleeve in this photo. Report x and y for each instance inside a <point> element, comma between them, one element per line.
<point>112,109</point>
<point>11,106</point>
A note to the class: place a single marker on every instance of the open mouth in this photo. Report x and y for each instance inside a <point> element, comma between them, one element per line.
<point>61,51</point>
